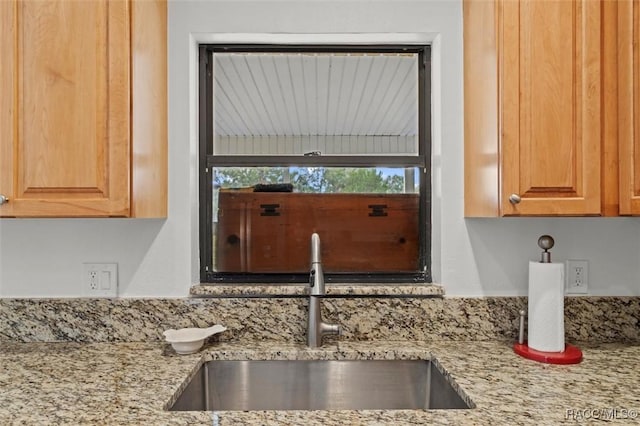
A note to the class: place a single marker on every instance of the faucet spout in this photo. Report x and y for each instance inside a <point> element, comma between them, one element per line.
<point>316,275</point>
<point>316,327</point>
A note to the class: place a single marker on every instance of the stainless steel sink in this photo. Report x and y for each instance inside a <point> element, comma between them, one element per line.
<point>318,385</point>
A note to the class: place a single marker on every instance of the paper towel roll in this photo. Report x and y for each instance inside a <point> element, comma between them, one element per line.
<point>546,307</point>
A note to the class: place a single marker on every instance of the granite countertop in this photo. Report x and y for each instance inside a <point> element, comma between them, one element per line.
<point>132,383</point>
<point>331,289</point>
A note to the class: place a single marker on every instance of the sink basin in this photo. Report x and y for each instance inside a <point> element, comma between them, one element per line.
<point>318,385</point>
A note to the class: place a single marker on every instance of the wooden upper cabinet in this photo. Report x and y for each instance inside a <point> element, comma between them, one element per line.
<point>67,109</point>
<point>629,105</point>
<point>533,119</point>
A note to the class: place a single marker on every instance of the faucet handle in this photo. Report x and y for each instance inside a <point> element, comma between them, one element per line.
<point>334,329</point>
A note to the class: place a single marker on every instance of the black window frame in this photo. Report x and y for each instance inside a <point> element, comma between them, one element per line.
<point>207,161</point>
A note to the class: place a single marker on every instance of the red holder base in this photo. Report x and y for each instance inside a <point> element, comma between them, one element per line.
<point>571,354</point>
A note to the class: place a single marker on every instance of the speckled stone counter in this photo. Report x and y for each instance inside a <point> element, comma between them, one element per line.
<point>270,290</point>
<point>76,361</point>
<point>592,319</point>
<point>132,383</point>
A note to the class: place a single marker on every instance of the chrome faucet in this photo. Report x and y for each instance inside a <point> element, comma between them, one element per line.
<point>316,328</point>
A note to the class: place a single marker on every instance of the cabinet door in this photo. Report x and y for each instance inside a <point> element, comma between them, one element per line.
<point>550,62</point>
<point>629,105</point>
<point>64,116</point>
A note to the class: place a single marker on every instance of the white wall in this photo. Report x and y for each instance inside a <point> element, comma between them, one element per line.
<point>472,257</point>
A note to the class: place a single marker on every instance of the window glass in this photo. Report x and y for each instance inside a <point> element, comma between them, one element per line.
<point>327,103</point>
<point>318,179</point>
<point>304,139</point>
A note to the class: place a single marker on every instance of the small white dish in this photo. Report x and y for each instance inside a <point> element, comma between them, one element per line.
<point>190,340</point>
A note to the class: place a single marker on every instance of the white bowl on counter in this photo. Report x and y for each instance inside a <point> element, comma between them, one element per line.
<point>190,340</point>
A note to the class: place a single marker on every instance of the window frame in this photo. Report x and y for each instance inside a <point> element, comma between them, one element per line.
<point>207,161</point>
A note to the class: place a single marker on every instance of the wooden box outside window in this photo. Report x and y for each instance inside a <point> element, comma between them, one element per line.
<point>270,232</point>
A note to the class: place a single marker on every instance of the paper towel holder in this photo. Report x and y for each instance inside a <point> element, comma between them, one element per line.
<point>571,354</point>
<point>546,243</point>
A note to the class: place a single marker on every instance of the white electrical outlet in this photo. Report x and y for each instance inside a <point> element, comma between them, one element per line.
<point>577,276</point>
<point>100,279</point>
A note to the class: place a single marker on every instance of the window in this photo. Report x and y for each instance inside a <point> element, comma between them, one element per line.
<point>303,139</point>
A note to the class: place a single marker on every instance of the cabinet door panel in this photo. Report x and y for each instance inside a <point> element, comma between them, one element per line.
<point>65,131</point>
<point>629,105</point>
<point>551,96</point>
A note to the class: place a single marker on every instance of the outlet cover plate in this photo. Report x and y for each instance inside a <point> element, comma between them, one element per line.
<point>100,279</point>
<point>577,277</point>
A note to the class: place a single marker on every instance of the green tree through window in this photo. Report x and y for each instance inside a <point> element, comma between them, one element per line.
<point>314,179</point>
